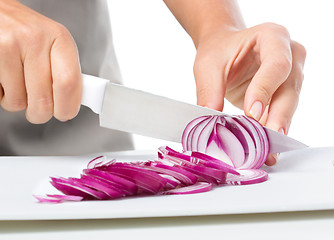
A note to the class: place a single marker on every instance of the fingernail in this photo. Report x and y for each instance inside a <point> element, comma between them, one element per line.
<point>281,130</point>
<point>256,110</point>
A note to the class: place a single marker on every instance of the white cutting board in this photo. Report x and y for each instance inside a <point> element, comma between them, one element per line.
<point>302,180</point>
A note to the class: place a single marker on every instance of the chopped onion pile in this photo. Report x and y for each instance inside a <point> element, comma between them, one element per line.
<point>218,150</point>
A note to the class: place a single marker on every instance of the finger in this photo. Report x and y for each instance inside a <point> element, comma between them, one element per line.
<point>284,102</point>
<point>275,57</point>
<point>38,84</point>
<point>13,91</point>
<point>210,87</point>
<point>272,159</point>
<point>66,76</point>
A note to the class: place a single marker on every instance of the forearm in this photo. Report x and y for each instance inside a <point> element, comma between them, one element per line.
<point>202,17</point>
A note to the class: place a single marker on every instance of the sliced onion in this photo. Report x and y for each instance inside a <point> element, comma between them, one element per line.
<point>99,161</point>
<point>43,199</point>
<point>185,177</point>
<point>171,182</point>
<point>199,187</point>
<point>247,176</point>
<point>209,161</point>
<point>128,187</point>
<point>147,181</point>
<point>195,159</point>
<point>72,187</point>
<point>101,186</point>
<point>218,150</point>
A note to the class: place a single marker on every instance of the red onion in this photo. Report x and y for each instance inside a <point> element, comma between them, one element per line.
<point>239,141</point>
<point>218,150</point>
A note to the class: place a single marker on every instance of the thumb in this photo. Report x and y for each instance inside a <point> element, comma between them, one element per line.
<point>210,86</point>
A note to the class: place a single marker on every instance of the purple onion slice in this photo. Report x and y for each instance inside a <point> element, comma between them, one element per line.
<point>72,187</point>
<point>247,176</point>
<point>199,187</point>
<point>128,187</point>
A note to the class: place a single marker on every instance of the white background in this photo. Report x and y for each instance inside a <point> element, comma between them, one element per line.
<point>156,55</point>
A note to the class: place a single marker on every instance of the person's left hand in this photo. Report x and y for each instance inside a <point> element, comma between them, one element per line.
<point>259,69</point>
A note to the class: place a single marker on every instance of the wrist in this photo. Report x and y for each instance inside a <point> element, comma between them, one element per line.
<point>209,30</point>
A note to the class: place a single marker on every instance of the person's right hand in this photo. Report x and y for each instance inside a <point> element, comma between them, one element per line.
<point>39,65</point>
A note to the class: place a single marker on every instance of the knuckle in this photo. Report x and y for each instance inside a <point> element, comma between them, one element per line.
<point>299,49</point>
<point>23,35</point>
<point>14,105</point>
<point>275,28</point>
<point>30,34</point>
<point>40,110</point>
<point>44,104</point>
<point>67,81</point>
<point>61,31</point>
<point>7,43</point>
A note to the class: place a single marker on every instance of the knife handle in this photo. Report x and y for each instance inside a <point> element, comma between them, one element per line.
<point>93,92</point>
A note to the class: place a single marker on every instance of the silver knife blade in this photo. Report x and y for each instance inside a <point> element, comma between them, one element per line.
<point>151,115</point>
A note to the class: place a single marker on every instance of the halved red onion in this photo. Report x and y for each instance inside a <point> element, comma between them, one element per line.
<point>238,141</point>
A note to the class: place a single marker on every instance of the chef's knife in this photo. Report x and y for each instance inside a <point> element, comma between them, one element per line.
<point>143,113</point>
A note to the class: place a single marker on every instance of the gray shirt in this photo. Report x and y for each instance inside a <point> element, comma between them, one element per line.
<point>88,21</point>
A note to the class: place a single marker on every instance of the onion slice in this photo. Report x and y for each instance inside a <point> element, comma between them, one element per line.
<point>199,187</point>
<point>247,176</point>
<point>126,186</point>
<point>56,198</point>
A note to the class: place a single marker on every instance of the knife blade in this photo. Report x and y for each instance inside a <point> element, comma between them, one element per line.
<point>138,112</point>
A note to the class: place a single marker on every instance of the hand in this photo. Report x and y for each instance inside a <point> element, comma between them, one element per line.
<point>39,65</point>
<point>259,69</point>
